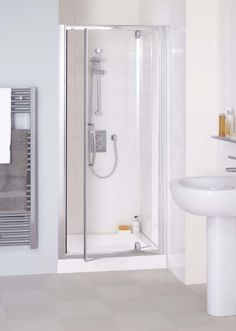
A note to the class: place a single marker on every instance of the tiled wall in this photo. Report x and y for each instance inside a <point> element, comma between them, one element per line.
<point>177,134</point>
<point>114,200</point>
<point>176,149</point>
<point>227,80</point>
<point>202,102</point>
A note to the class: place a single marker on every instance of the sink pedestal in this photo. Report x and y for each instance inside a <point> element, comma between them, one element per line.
<point>221,279</point>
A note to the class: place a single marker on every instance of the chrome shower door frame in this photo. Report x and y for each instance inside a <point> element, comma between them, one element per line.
<point>62,179</point>
<point>62,173</point>
<point>86,130</point>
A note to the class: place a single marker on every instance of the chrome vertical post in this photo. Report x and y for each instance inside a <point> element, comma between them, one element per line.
<point>86,86</point>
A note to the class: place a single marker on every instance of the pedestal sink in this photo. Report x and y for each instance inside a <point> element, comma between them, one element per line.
<point>215,198</point>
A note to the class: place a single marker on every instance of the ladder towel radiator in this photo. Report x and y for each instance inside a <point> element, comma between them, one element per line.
<point>20,228</point>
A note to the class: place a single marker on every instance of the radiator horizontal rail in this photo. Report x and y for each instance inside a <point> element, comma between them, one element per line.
<point>15,218</point>
<point>24,242</point>
<point>15,234</point>
<point>21,237</point>
<point>15,229</point>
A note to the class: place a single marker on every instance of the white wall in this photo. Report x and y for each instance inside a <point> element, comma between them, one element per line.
<point>176,133</point>
<point>228,53</point>
<point>153,12</point>
<point>176,148</point>
<point>227,78</point>
<point>210,89</point>
<point>210,28</point>
<point>102,12</point>
<point>28,57</point>
<point>115,12</point>
<point>203,31</point>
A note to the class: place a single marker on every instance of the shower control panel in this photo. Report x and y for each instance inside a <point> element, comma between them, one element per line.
<point>101,141</point>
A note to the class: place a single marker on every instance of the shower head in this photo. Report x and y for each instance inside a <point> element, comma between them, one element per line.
<point>97,58</point>
<point>114,137</point>
<point>99,51</point>
<point>138,34</point>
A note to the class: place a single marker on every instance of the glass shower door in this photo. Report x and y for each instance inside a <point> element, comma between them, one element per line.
<point>120,104</point>
<point>114,114</point>
<point>110,198</point>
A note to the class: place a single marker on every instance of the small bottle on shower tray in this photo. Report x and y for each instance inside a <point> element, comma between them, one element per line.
<point>136,225</point>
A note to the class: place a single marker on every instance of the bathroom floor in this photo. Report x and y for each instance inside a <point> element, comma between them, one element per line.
<point>150,300</point>
<point>109,243</point>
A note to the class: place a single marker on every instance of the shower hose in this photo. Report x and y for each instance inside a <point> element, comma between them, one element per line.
<point>114,139</point>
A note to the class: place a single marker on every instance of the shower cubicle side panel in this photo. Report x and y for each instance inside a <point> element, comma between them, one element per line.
<point>62,170</point>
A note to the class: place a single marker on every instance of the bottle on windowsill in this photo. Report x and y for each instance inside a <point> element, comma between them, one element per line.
<point>229,122</point>
<point>222,125</point>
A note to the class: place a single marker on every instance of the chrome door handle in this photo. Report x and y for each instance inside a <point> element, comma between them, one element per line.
<point>232,157</point>
<point>91,145</point>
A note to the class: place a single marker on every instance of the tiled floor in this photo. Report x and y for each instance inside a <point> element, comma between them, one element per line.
<point>151,300</point>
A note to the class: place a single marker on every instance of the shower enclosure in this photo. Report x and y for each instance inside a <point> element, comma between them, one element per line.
<point>113,123</point>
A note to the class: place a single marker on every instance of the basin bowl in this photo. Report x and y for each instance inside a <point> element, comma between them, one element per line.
<point>206,196</point>
<point>215,198</point>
